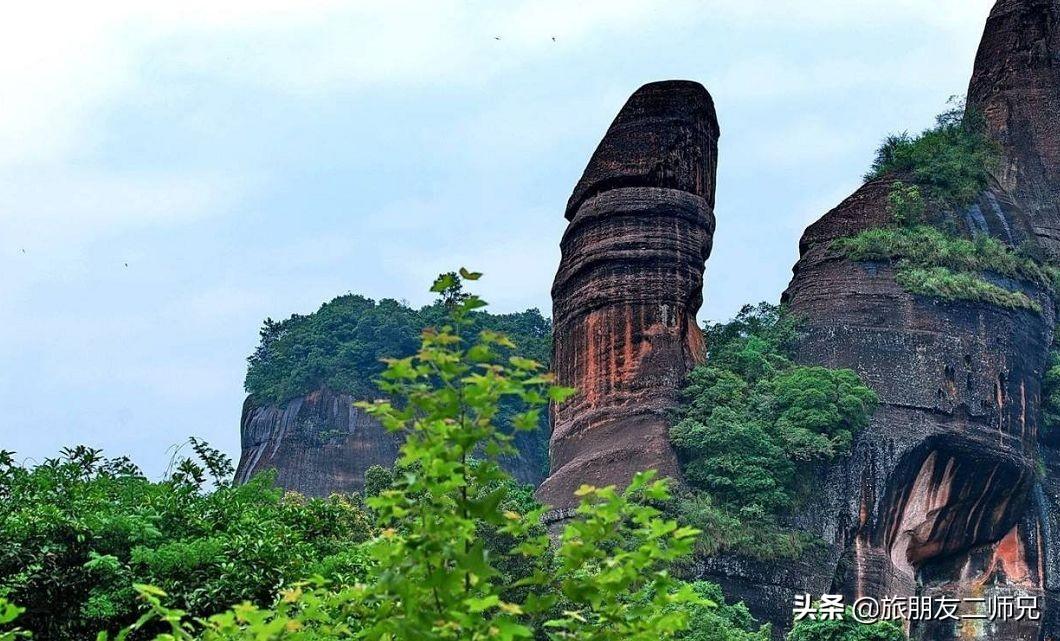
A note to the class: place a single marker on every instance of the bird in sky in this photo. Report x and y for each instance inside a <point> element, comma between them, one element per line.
<point>23,250</point>
<point>553,38</point>
<point>126,264</point>
<point>496,37</point>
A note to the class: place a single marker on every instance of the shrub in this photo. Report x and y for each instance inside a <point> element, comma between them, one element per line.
<point>944,283</point>
<point>950,162</point>
<point>845,629</point>
<point>433,576</point>
<point>925,246</point>
<point>906,203</point>
<point>79,531</point>
<point>751,422</point>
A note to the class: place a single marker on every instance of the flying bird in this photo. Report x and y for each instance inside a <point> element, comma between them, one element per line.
<point>496,37</point>
<point>126,264</point>
<point>553,38</point>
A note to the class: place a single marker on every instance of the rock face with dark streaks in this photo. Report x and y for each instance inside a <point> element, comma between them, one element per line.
<point>1016,87</point>
<point>629,286</point>
<point>932,500</point>
<point>951,489</point>
<point>321,443</point>
<point>318,444</point>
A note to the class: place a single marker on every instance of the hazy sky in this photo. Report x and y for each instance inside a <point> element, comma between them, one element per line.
<point>258,158</point>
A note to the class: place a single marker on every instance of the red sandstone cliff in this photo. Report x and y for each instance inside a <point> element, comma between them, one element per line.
<point>628,288</point>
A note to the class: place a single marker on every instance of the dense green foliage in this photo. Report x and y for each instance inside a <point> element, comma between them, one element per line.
<point>948,166</point>
<point>946,284</point>
<point>446,546</point>
<point>934,263</point>
<point>752,424</point>
<point>1050,416</point>
<point>340,346</point>
<point>77,533</point>
<point>845,629</point>
<point>950,163</point>
<point>710,619</point>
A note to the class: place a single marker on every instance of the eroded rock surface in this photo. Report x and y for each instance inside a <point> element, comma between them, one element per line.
<point>1016,87</point>
<point>322,443</point>
<point>628,288</point>
<point>318,444</point>
<point>947,491</point>
<point>952,490</point>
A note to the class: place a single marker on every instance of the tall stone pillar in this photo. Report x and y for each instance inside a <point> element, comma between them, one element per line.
<point>628,288</point>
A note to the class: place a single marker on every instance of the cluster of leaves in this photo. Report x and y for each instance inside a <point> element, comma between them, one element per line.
<point>751,421</point>
<point>1050,416</point>
<point>342,344</point>
<point>949,164</point>
<point>845,629</point>
<point>935,263</point>
<point>8,613</point>
<point>455,549</point>
<point>78,531</point>
<point>948,167</point>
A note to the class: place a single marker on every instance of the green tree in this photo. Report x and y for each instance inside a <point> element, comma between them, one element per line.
<point>845,629</point>
<point>432,575</point>
<point>78,531</point>
<point>750,425</point>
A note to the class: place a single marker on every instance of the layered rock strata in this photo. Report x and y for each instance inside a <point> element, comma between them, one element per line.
<point>933,499</point>
<point>318,444</point>
<point>1016,87</point>
<point>322,443</point>
<point>628,288</point>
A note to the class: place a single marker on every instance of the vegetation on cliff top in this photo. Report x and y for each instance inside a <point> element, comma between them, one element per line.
<point>752,426</point>
<point>934,263</point>
<point>342,344</point>
<point>949,163</point>
<point>948,167</point>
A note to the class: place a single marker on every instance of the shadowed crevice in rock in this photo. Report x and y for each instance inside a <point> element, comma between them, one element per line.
<point>628,287</point>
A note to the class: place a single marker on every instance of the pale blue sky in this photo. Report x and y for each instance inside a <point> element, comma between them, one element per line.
<point>258,159</point>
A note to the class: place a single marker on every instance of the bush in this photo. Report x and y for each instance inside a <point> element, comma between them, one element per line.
<point>750,425</point>
<point>944,283</point>
<point>79,531</point>
<point>845,629</point>
<point>1050,416</point>
<point>710,619</point>
<point>925,246</point>
<point>433,577</point>
<point>950,163</point>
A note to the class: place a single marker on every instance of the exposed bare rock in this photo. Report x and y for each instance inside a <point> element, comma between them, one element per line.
<point>629,286</point>
<point>1016,86</point>
<point>318,444</point>
<point>946,468</point>
<point>322,443</point>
